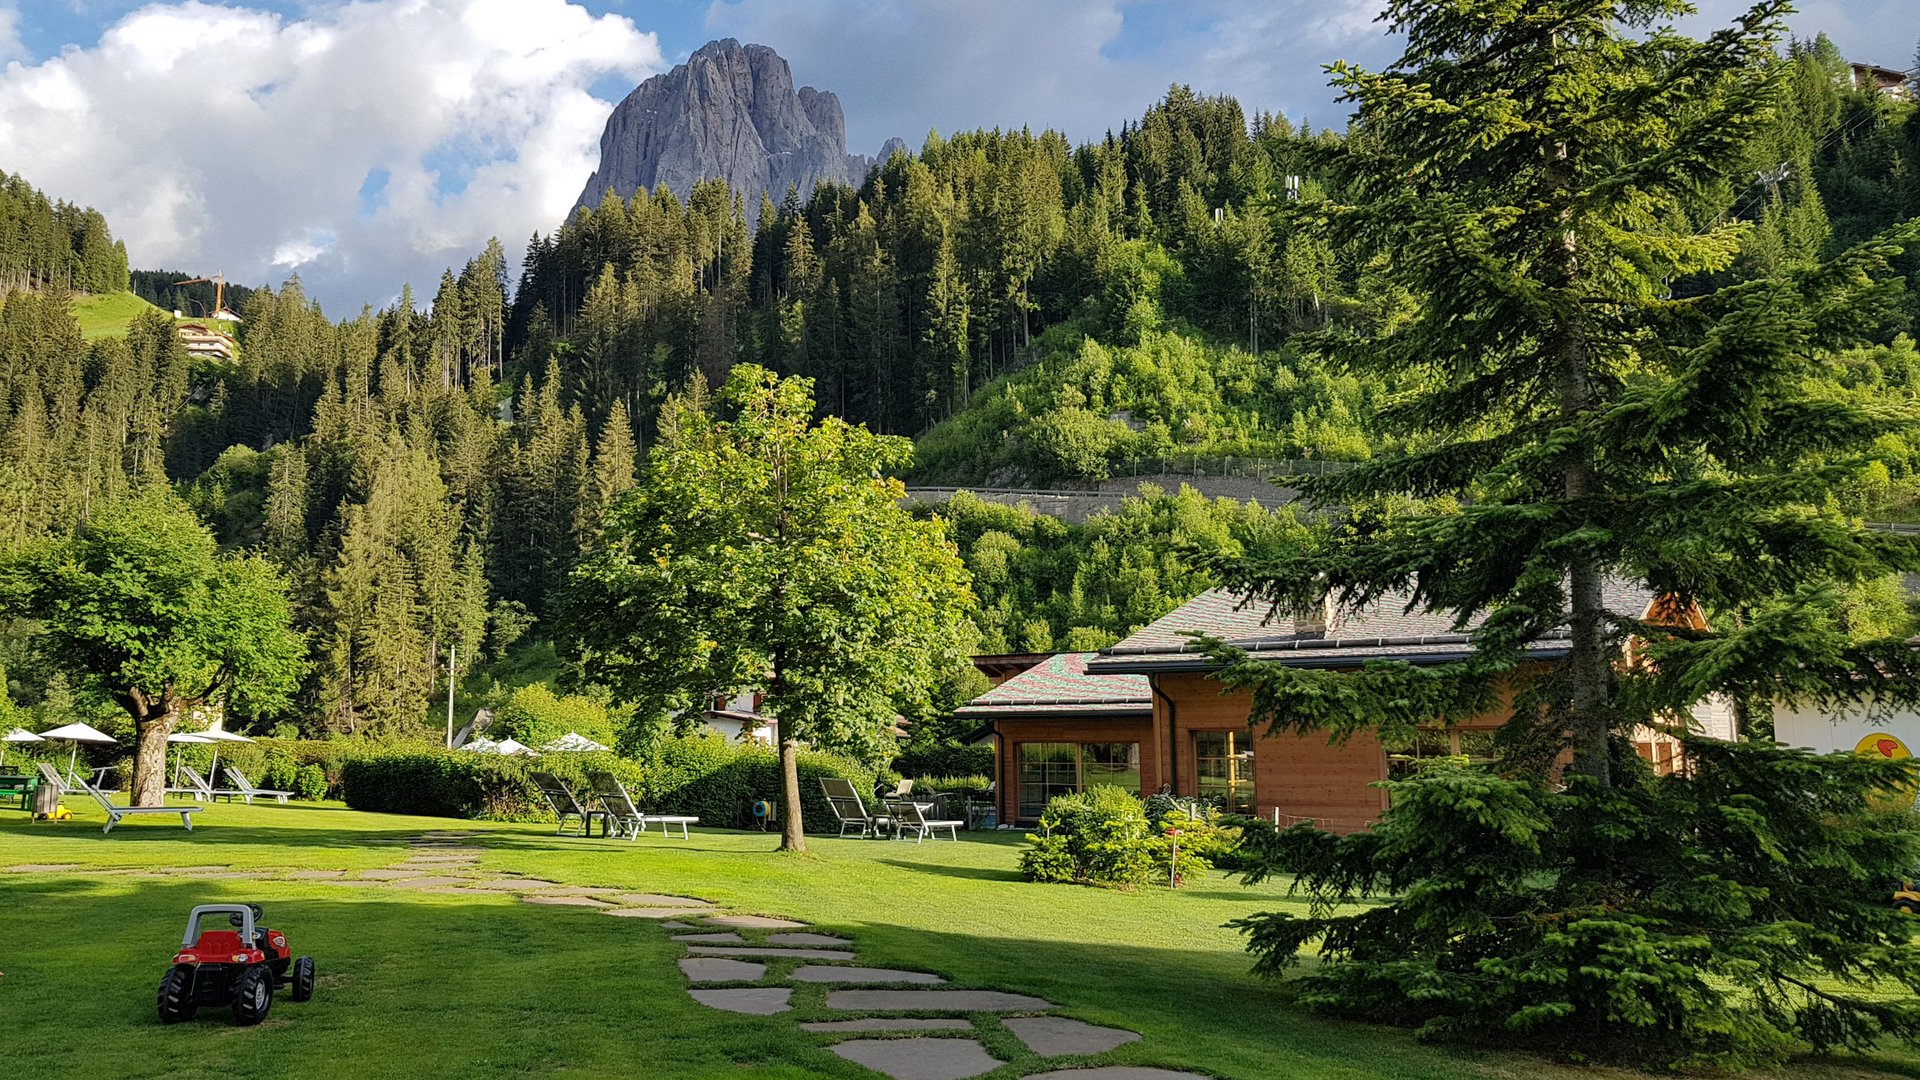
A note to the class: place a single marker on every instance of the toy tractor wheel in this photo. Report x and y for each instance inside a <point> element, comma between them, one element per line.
<point>303,979</point>
<point>1907,906</point>
<point>252,995</point>
<point>176,995</point>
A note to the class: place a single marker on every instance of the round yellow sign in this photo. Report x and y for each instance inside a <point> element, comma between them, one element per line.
<point>1882,744</point>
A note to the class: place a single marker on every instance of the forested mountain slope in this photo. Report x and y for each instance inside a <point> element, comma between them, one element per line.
<point>1032,310</point>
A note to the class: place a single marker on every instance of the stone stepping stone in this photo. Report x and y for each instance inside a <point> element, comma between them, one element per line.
<point>676,924</point>
<point>651,913</point>
<point>725,937</point>
<point>813,973</point>
<point>456,890</point>
<point>41,868</point>
<point>754,922</point>
<point>645,899</point>
<point>1057,1036</point>
<point>565,901</point>
<point>919,1059</point>
<point>797,954</point>
<point>714,969</point>
<point>809,939</point>
<point>593,890</point>
<point>934,1001</point>
<point>315,875</point>
<point>889,1023</point>
<point>1116,1072</point>
<point>752,1000</point>
<point>514,884</point>
<point>388,875</point>
<point>427,882</point>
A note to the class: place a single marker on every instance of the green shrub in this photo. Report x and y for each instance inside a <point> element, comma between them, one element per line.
<point>1100,837</point>
<point>536,716</point>
<point>945,760</point>
<point>704,775</point>
<point>963,785</point>
<point>310,782</point>
<point>1204,833</point>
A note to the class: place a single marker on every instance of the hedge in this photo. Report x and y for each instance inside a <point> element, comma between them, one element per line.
<point>698,774</point>
<point>945,760</point>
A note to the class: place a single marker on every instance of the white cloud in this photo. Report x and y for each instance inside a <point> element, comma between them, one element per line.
<point>222,138</point>
<point>10,45</point>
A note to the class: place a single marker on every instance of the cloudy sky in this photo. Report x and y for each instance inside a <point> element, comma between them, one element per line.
<point>367,143</point>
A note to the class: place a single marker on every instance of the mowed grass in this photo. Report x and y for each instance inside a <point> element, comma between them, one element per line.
<point>414,984</point>
<point>108,314</point>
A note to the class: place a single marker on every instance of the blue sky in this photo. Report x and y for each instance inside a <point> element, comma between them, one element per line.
<point>369,143</point>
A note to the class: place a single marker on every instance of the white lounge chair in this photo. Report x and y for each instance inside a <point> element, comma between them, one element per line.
<point>624,818</point>
<point>202,790</point>
<point>115,813</point>
<point>248,792</point>
<point>847,805</point>
<point>907,818</point>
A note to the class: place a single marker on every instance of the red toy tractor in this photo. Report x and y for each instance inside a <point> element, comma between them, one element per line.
<point>241,967</point>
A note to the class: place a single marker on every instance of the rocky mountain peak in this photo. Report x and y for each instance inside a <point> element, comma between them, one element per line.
<point>731,111</point>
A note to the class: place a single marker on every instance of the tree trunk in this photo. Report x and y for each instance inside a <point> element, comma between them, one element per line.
<point>793,836</point>
<point>150,754</point>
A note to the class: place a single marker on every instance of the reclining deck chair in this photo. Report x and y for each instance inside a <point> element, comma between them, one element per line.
<point>115,813</point>
<point>847,805</point>
<point>624,818</point>
<point>201,790</point>
<point>564,804</point>
<point>908,818</point>
<point>248,792</point>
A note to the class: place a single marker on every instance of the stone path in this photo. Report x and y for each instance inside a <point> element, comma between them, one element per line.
<point>746,949</point>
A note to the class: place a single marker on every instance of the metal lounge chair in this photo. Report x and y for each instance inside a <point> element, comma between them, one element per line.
<point>847,805</point>
<point>564,804</point>
<point>907,818</point>
<point>623,818</point>
<point>115,813</point>
<point>248,792</point>
<point>201,790</point>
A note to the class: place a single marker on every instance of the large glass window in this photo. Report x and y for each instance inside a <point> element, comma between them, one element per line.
<point>1049,769</point>
<point>1476,745</point>
<point>1223,765</point>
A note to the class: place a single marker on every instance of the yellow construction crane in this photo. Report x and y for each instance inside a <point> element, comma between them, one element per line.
<point>219,283</point>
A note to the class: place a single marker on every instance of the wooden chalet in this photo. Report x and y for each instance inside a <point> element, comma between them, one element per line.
<point>1148,715</point>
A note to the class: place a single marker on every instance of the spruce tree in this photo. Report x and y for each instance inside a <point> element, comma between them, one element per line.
<point>1536,174</point>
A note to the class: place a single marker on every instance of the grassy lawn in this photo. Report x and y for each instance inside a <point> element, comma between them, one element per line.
<point>107,314</point>
<point>414,984</point>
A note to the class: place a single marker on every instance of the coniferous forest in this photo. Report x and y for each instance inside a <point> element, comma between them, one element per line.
<point>1031,311</point>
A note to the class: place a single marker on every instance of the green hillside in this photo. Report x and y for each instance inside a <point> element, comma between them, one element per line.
<point>107,314</point>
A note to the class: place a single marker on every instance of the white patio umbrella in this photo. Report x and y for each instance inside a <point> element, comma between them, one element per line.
<point>179,738</point>
<point>17,735</point>
<point>215,735</point>
<point>77,733</point>
<point>571,742</point>
<point>512,747</point>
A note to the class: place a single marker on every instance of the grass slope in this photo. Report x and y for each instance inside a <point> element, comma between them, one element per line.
<point>108,314</point>
<point>416,985</point>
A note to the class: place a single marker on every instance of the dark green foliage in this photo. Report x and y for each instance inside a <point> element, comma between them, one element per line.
<point>1542,179</point>
<point>1045,584</point>
<point>1101,836</point>
<point>55,245</point>
<point>944,760</point>
<point>1726,918</point>
<point>703,775</point>
<point>159,288</point>
<point>441,783</point>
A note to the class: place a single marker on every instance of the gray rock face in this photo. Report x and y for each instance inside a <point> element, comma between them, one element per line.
<point>730,112</point>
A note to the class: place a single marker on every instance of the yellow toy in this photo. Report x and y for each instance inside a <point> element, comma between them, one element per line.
<point>1907,898</point>
<point>60,813</point>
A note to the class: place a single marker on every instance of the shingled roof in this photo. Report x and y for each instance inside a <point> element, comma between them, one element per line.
<point>1383,631</point>
<point>1061,686</point>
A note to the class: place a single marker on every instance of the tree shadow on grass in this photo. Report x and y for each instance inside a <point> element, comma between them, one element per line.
<point>978,873</point>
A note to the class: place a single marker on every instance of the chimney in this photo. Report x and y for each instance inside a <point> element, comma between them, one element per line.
<point>1318,620</point>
